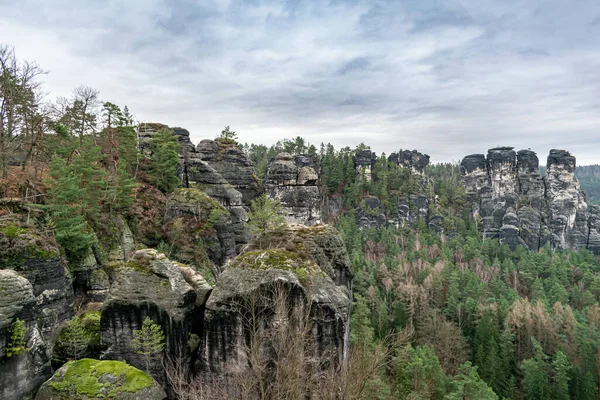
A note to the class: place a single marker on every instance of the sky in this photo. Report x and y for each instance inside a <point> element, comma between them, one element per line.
<point>447,78</point>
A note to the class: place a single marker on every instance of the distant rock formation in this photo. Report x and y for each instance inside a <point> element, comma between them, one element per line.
<point>293,181</point>
<point>520,207</point>
<point>364,160</point>
<point>411,208</point>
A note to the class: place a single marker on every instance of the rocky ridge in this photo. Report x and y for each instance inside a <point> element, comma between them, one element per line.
<point>519,207</point>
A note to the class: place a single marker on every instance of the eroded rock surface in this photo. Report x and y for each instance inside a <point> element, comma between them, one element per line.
<point>35,288</point>
<point>294,182</point>
<point>233,165</point>
<point>284,282</point>
<point>520,207</point>
<point>152,285</point>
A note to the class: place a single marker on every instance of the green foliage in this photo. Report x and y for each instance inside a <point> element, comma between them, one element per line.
<point>228,136</point>
<point>469,386</point>
<point>265,215</point>
<point>17,345</point>
<point>79,334</point>
<point>162,166</point>
<point>67,205</point>
<point>88,377</point>
<point>148,341</point>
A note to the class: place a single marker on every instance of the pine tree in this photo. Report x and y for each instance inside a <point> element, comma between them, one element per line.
<point>561,368</point>
<point>148,342</point>
<point>75,338</point>
<point>164,160</point>
<point>265,215</point>
<point>66,209</point>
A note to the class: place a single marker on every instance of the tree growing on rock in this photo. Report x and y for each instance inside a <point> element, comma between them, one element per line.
<point>149,341</point>
<point>265,215</point>
<point>228,136</point>
<point>164,160</point>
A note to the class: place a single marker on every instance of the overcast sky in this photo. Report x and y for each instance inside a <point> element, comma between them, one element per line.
<point>447,78</point>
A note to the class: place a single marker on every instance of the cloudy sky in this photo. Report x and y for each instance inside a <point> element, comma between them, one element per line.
<point>447,78</point>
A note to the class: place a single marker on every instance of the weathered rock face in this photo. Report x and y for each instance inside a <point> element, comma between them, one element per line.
<point>294,182</point>
<point>233,165</point>
<point>89,379</point>
<point>519,207</point>
<point>364,161</point>
<point>169,293</point>
<point>223,172</point>
<point>201,222</point>
<point>269,295</point>
<point>35,287</point>
<point>413,160</point>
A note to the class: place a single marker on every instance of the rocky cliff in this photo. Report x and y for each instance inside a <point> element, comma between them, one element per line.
<point>293,181</point>
<point>35,288</point>
<point>233,165</point>
<point>520,207</point>
<point>150,285</point>
<point>288,296</point>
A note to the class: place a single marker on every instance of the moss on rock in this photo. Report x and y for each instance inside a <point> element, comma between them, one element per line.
<point>92,379</point>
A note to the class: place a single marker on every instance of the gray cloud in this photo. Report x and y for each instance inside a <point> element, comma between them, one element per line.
<point>448,78</point>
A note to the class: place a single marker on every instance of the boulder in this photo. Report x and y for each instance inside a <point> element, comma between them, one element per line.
<point>89,379</point>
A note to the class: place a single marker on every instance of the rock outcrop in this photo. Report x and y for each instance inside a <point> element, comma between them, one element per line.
<point>293,181</point>
<point>150,285</point>
<point>413,160</point>
<point>89,379</point>
<point>222,171</point>
<point>35,288</point>
<point>289,283</point>
<point>520,207</point>
<point>233,165</point>
<point>364,160</point>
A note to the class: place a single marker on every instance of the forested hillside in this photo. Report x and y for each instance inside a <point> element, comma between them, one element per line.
<point>211,263</point>
<point>589,178</point>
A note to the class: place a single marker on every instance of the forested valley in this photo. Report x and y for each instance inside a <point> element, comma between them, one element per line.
<point>104,219</point>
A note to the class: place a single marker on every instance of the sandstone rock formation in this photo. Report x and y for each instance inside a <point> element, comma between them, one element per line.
<point>413,160</point>
<point>220,170</point>
<point>364,161</point>
<point>294,182</point>
<point>519,207</point>
<point>89,379</point>
<point>233,165</point>
<point>289,283</point>
<point>171,294</point>
<point>35,288</point>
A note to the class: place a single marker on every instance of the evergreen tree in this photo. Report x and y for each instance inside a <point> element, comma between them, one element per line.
<point>265,215</point>
<point>164,160</point>
<point>148,341</point>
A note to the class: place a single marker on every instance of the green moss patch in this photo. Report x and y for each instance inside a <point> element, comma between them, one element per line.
<point>104,379</point>
<point>279,259</point>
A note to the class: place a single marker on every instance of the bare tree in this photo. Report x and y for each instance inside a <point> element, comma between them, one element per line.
<point>19,104</point>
